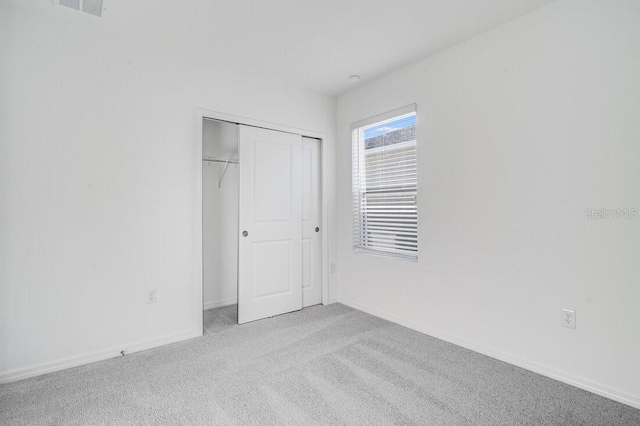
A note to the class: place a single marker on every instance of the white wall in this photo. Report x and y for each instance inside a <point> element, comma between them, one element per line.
<point>520,130</point>
<point>219,216</point>
<point>98,158</point>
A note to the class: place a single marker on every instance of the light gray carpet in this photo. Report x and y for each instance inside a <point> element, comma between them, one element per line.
<point>323,365</point>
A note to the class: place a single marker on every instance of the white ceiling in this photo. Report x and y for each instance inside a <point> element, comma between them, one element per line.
<point>312,44</point>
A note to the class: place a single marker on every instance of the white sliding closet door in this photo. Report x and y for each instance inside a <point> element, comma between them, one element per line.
<point>311,221</point>
<point>270,241</point>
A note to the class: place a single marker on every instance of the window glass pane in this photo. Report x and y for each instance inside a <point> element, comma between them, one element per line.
<point>385,186</point>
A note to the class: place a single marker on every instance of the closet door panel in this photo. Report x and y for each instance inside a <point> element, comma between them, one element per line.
<point>311,219</point>
<point>270,240</point>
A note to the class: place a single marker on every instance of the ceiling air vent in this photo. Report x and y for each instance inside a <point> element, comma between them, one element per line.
<point>93,7</point>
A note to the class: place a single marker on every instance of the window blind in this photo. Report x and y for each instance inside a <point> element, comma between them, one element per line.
<point>385,185</point>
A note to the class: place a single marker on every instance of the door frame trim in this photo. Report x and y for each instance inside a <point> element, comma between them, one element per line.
<point>203,114</point>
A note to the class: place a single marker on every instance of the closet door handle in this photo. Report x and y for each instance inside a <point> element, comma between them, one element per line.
<point>317,229</point>
<point>245,233</point>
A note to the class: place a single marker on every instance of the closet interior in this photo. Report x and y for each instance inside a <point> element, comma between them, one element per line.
<point>219,213</point>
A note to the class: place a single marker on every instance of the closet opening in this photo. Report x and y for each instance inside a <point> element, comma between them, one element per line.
<point>262,222</point>
<point>219,222</point>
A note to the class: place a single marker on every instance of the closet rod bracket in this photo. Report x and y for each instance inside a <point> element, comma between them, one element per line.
<point>226,162</point>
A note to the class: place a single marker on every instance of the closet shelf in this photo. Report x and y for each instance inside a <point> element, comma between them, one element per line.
<point>220,160</point>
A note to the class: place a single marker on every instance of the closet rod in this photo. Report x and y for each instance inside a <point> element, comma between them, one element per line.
<point>220,160</point>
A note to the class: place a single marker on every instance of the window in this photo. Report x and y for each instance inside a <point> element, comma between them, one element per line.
<point>385,185</point>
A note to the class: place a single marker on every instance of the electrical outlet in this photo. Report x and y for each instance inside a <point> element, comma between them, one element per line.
<point>568,318</point>
<point>151,295</point>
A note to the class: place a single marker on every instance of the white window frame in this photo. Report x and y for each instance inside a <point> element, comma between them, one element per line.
<point>402,242</point>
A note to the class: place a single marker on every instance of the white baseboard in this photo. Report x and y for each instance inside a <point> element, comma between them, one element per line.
<point>219,303</point>
<point>75,361</point>
<point>597,388</point>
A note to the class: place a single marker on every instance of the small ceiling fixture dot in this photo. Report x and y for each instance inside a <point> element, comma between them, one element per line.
<point>354,78</point>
